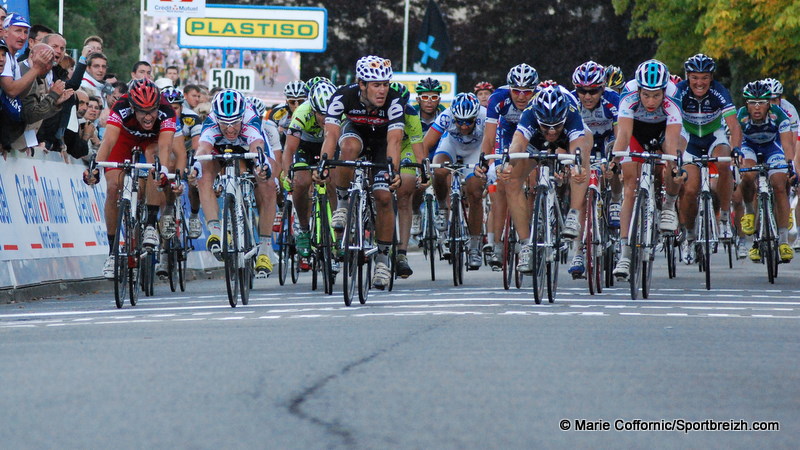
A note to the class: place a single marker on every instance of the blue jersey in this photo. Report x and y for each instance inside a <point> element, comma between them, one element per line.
<point>766,132</point>
<point>703,116</point>
<point>603,117</point>
<point>529,127</point>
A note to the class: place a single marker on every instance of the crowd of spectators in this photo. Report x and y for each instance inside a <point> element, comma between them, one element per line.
<point>51,102</point>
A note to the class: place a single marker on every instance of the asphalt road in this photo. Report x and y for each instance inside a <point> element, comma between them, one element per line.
<point>429,365</point>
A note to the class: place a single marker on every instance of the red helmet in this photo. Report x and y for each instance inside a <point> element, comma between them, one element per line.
<point>143,94</point>
<point>675,78</point>
<point>483,86</point>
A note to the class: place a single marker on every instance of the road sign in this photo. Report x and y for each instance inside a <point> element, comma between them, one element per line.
<point>256,28</point>
<point>240,79</point>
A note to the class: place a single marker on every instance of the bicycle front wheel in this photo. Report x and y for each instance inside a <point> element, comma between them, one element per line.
<point>350,240</point>
<point>456,241</point>
<point>636,241</point>
<point>285,243</point>
<point>706,236</point>
<point>537,239</point>
<point>229,253</point>
<point>121,252</point>
<point>508,255</point>
<point>588,240</point>
<point>366,262</point>
<point>430,237</point>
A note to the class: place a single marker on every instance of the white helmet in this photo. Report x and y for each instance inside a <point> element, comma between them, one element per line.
<point>373,68</point>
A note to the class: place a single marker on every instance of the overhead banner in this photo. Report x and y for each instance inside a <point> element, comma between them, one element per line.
<point>256,28</point>
<point>176,8</point>
<point>447,80</point>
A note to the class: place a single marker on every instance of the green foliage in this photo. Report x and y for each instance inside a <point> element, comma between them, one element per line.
<point>116,21</point>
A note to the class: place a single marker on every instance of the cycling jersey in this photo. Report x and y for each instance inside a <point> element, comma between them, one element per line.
<point>791,111</point>
<point>281,115</point>
<point>412,134</point>
<point>427,123</point>
<point>446,125</point>
<point>755,134</point>
<point>703,116</point>
<point>304,124</point>
<point>250,132</point>
<point>601,119</point>
<point>189,126</point>
<point>132,134</point>
<point>529,127</point>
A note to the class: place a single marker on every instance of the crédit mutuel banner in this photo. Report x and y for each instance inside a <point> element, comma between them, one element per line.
<point>176,8</point>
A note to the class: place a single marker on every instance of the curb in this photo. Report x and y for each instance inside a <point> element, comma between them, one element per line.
<point>62,288</point>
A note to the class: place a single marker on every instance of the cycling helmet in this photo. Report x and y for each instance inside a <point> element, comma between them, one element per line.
<point>320,96</point>
<point>675,78</point>
<point>550,106</point>
<point>652,75</point>
<point>700,63</point>
<point>258,104</point>
<point>465,106</point>
<point>614,77</point>
<point>522,76</point>
<point>483,86</point>
<point>545,84</point>
<point>373,68</point>
<point>314,81</point>
<point>428,85</point>
<point>405,95</point>
<point>757,90</point>
<point>589,75</point>
<point>172,95</point>
<point>228,105</point>
<point>295,89</point>
<point>143,94</point>
<point>775,86</point>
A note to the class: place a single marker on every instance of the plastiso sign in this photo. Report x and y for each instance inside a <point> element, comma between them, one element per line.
<point>176,8</point>
<point>256,28</point>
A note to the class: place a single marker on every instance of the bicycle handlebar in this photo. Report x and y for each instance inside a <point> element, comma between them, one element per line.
<point>226,156</point>
<point>648,155</point>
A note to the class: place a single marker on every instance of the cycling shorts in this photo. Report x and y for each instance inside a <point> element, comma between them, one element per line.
<point>307,152</point>
<point>373,144</point>
<point>701,146</point>
<point>122,149</point>
<point>770,153</point>
<point>407,156</point>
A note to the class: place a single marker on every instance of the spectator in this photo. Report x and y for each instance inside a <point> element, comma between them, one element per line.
<point>3,14</point>
<point>93,80</point>
<point>12,82</point>
<point>142,69</point>
<point>173,73</point>
<point>93,109</point>
<point>119,89</point>
<point>3,55</point>
<point>192,95</point>
<point>35,36</point>
<point>77,142</point>
<point>68,63</point>
<point>95,42</point>
<point>41,101</point>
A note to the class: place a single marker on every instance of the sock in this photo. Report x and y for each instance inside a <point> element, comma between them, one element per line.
<point>152,215</point>
<point>193,215</point>
<point>669,201</point>
<point>402,252</point>
<point>626,251</point>
<point>725,216</point>
<point>748,208</point>
<point>110,242</point>
<point>265,246</point>
<point>195,212</point>
<point>783,235</point>
<point>498,247</point>
<point>214,227</point>
<point>383,252</point>
<point>690,235</point>
<point>474,242</point>
<point>490,237</point>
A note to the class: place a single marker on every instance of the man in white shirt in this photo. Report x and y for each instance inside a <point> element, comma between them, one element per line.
<point>13,83</point>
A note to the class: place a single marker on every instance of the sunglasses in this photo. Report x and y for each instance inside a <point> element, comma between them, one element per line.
<point>465,122</point>
<point>588,91</point>
<point>296,102</point>
<point>379,64</point>
<point>429,97</point>
<point>226,125</point>
<point>757,102</point>
<point>551,126</point>
<point>148,112</point>
<point>523,92</point>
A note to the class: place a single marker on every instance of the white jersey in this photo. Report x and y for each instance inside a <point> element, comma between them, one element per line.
<point>791,111</point>
<point>445,124</point>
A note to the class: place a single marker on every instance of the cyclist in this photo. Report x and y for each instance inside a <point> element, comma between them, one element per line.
<point>304,138</point>
<point>615,80</point>
<point>483,90</point>
<point>139,118</point>
<point>268,128</point>
<point>412,152</point>
<point>502,115</point>
<point>551,122</point>
<point>188,132</point>
<point>373,127</point>
<point>767,138</point>
<point>296,94</point>
<point>646,114</point>
<point>598,107</point>
<point>234,122</point>
<point>458,132</point>
<point>316,80</point>
<point>705,103</point>
<point>429,95</point>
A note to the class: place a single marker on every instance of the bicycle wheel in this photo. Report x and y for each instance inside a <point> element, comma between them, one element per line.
<point>706,236</point>
<point>430,238</point>
<point>392,256</point>
<point>647,256</point>
<point>588,239</point>
<point>147,270</point>
<point>247,271</point>
<point>538,262</point>
<point>327,241</point>
<point>638,224</point>
<point>229,254</point>
<point>284,242</point>
<point>508,254</point>
<point>670,254</point>
<point>366,261</point>
<point>183,253</point>
<point>350,240</point>
<point>769,252</point>
<point>552,266</point>
<point>600,236</point>
<point>456,242</point>
<point>121,252</point>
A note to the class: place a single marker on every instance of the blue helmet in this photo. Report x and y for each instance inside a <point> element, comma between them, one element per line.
<point>172,95</point>
<point>652,75</point>
<point>465,106</point>
<point>228,105</point>
<point>700,63</point>
<point>550,106</point>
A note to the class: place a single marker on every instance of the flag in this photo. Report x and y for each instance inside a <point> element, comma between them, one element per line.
<point>433,44</point>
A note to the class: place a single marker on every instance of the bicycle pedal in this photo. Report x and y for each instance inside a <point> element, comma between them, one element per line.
<point>262,275</point>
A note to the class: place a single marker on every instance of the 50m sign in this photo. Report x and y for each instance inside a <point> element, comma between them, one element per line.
<point>243,80</point>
